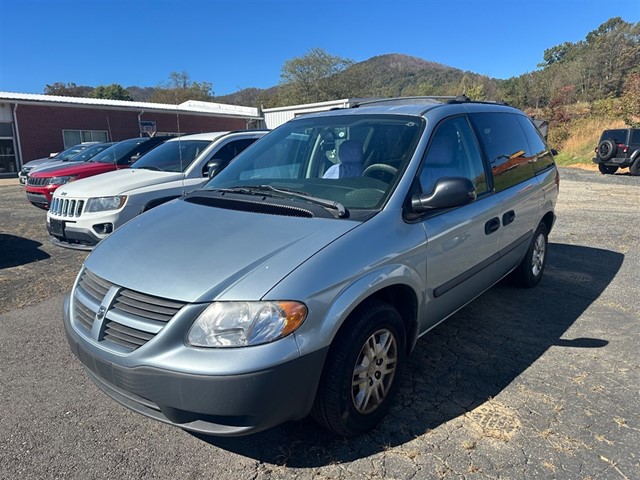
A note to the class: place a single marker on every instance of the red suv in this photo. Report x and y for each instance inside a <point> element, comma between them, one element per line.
<point>42,183</point>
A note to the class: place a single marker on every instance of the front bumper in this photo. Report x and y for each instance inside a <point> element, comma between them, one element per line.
<point>621,162</point>
<point>69,235</point>
<point>224,405</point>
<point>39,200</point>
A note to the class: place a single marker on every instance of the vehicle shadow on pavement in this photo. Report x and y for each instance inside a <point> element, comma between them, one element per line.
<point>459,365</point>
<point>15,251</point>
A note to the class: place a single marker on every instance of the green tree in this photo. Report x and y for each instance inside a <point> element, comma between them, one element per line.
<point>306,79</point>
<point>557,54</point>
<point>68,90</point>
<point>631,101</point>
<point>112,92</point>
<point>180,88</point>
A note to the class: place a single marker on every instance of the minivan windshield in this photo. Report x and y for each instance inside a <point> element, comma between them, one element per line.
<point>173,156</point>
<point>354,160</point>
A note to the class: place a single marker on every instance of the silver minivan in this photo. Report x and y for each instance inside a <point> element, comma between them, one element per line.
<point>299,278</point>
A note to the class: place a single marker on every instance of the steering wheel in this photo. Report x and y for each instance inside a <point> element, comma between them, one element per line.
<point>379,171</point>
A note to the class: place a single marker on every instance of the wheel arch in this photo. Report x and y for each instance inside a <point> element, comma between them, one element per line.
<point>400,287</point>
<point>549,220</point>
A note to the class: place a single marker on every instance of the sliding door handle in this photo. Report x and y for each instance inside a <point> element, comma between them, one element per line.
<point>492,225</point>
<point>508,217</point>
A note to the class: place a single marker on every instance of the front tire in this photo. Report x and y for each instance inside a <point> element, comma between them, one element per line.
<point>362,371</point>
<point>529,272</point>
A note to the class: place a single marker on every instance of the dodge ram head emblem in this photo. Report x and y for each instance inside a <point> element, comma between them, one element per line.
<point>101,312</point>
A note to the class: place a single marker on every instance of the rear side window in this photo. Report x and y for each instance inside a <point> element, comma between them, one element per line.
<point>506,148</point>
<point>635,137</point>
<point>538,150</point>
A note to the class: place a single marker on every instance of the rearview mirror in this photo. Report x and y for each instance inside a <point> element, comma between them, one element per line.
<point>448,192</point>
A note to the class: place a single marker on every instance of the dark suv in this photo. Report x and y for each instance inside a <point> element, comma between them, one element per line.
<point>619,148</point>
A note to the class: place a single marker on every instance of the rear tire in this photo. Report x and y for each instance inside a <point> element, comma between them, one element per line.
<point>634,168</point>
<point>607,170</point>
<point>529,272</point>
<point>362,371</point>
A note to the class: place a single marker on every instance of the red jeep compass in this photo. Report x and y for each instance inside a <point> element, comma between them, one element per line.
<point>42,183</point>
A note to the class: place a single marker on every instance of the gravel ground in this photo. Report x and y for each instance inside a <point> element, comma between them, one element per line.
<point>540,383</point>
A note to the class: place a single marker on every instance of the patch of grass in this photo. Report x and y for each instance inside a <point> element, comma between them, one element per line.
<point>584,133</point>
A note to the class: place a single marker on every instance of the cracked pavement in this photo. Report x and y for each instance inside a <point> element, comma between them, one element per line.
<point>538,383</point>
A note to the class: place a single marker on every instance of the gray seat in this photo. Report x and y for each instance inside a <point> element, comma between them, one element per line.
<point>441,158</point>
<point>351,161</point>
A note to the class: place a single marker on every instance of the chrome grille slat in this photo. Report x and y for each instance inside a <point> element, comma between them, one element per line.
<point>37,182</point>
<point>156,301</point>
<point>133,318</point>
<point>64,207</point>
<point>84,315</point>
<point>94,286</point>
<point>134,336</point>
<point>145,306</point>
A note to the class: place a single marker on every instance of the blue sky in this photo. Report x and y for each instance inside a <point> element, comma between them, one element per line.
<point>236,44</point>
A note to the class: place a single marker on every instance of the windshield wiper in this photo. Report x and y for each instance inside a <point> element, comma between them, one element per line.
<point>261,189</point>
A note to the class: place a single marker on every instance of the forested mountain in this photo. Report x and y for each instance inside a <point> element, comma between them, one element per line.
<point>598,77</point>
<point>590,70</point>
<point>388,75</point>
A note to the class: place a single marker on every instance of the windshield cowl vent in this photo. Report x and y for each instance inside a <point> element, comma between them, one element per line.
<point>251,206</point>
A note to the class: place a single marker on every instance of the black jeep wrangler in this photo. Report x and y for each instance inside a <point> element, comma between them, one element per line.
<point>619,148</point>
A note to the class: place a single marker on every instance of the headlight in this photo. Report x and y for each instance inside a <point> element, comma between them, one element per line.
<point>62,180</point>
<point>241,324</point>
<point>101,204</point>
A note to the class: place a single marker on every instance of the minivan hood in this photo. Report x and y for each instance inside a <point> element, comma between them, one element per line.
<point>195,253</point>
<point>117,182</point>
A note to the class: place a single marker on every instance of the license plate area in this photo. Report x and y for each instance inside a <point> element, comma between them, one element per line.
<point>57,227</point>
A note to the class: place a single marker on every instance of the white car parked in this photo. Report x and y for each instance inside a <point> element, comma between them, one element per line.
<point>84,212</point>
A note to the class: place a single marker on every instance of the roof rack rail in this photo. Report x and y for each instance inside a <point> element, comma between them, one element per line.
<point>438,98</point>
<point>403,99</point>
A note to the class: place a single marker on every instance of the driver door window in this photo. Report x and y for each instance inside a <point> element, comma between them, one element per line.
<point>453,152</point>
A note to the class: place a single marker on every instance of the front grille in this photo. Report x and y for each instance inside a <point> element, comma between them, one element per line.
<point>94,286</point>
<point>131,318</point>
<point>66,207</point>
<point>37,181</point>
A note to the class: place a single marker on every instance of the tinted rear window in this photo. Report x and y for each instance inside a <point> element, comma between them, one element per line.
<point>506,147</point>
<point>618,136</point>
<point>537,148</point>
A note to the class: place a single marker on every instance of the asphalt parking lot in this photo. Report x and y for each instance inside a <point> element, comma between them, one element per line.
<point>541,383</point>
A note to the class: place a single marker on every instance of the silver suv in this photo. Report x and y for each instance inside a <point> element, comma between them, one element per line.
<point>297,280</point>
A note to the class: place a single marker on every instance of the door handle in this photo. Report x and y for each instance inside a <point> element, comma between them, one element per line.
<point>492,225</point>
<point>508,217</point>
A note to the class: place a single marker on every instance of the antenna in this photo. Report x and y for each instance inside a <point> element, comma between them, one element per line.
<point>180,146</point>
<point>109,128</point>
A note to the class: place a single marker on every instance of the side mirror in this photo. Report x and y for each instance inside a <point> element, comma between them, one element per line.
<point>214,166</point>
<point>448,192</point>
<point>134,158</point>
<point>554,152</point>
